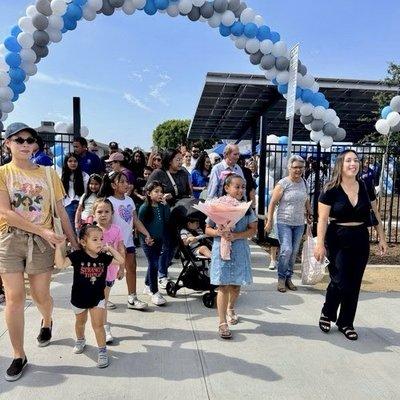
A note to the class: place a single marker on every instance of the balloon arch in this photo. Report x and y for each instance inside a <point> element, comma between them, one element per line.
<point>48,20</point>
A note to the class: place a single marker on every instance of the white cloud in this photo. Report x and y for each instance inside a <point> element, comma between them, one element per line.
<point>135,101</point>
<point>136,75</point>
<point>157,88</point>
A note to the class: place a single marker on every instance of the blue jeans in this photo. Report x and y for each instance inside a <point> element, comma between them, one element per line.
<point>71,211</point>
<point>168,250</point>
<point>289,238</point>
<point>152,254</point>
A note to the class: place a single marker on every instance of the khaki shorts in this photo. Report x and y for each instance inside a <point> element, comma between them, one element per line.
<point>21,251</point>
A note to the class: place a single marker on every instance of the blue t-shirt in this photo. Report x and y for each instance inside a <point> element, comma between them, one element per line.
<point>90,163</point>
<point>198,180</point>
<point>41,158</point>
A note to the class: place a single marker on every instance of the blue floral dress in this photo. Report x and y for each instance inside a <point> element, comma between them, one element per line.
<point>237,270</point>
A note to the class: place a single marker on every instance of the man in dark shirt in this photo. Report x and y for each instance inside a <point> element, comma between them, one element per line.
<point>39,157</point>
<point>89,162</point>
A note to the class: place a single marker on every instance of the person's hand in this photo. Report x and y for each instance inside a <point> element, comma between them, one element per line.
<point>52,237</point>
<point>167,196</point>
<point>309,219</point>
<point>149,240</point>
<point>319,252</point>
<point>383,247</point>
<point>228,235</point>
<point>121,273</point>
<point>106,248</point>
<point>268,226</point>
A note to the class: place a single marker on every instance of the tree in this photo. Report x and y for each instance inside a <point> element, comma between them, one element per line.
<point>172,133</point>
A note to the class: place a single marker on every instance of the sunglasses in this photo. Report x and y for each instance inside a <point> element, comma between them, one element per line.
<point>157,159</point>
<point>20,140</point>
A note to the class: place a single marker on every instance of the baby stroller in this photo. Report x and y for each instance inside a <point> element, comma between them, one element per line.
<point>194,274</point>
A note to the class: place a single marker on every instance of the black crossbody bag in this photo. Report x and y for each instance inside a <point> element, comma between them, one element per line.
<point>372,221</point>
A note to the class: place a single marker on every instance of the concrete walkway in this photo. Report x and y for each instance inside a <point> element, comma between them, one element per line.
<point>174,352</point>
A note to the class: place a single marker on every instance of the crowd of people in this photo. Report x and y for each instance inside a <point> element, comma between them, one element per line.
<point>110,206</point>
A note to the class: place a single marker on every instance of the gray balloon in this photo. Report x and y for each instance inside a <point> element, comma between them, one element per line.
<point>1,114</point>
<point>107,8</point>
<point>247,52</point>
<point>41,51</point>
<point>302,70</point>
<point>117,3</point>
<point>194,14</point>
<point>282,63</point>
<point>38,59</point>
<point>268,61</point>
<point>306,119</point>
<point>43,6</point>
<point>329,129</point>
<point>340,135</point>
<point>1,124</point>
<point>298,112</point>
<point>41,38</point>
<point>255,58</point>
<point>40,22</point>
<point>239,11</point>
<point>395,103</point>
<point>220,6</point>
<point>233,5</point>
<point>207,10</point>
<point>317,125</point>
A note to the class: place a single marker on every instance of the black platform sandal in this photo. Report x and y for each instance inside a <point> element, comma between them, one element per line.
<point>324,324</point>
<point>349,332</point>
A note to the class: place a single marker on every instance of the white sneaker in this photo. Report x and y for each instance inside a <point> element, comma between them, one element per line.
<point>111,305</point>
<point>162,282</point>
<point>79,346</point>
<point>158,299</point>
<point>135,304</point>
<point>102,359</point>
<point>109,336</point>
<point>272,266</point>
<point>147,290</point>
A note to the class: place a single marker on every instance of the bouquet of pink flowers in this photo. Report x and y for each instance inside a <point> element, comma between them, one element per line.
<point>225,212</point>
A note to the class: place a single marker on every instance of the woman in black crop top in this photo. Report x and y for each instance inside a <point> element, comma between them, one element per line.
<point>345,202</point>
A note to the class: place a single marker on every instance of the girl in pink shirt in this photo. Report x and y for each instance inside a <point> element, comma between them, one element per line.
<point>112,235</point>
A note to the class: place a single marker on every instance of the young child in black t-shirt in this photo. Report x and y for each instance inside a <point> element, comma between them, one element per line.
<point>87,295</point>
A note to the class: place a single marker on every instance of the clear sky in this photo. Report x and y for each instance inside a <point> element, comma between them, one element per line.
<point>134,72</point>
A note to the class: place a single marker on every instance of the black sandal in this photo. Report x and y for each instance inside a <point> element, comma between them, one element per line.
<point>349,332</point>
<point>324,324</point>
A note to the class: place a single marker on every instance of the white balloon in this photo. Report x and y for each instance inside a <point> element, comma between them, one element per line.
<point>26,25</point>
<point>308,127</point>
<point>393,118</point>
<point>7,107</point>
<point>31,11</point>
<point>198,3</point>
<point>330,115</point>
<point>336,121</point>
<point>60,127</point>
<point>6,94</point>
<point>28,55</point>
<point>266,46</point>
<point>247,16</point>
<point>4,67</point>
<point>259,20</point>
<point>253,45</point>
<point>308,81</point>
<point>272,139</point>
<point>382,126</point>
<point>228,18</point>
<point>173,10</point>
<point>84,131</point>
<point>3,50</point>
<point>56,22</point>
<point>25,40</point>
<point>395,103</point>
<point>70,128</point>
<point>319,112</point>
<point>282,77</point>
<point>185,6</point>
<point>215,20</point>
<point>315,87</point>
<point>89,14</point>
<point>3,117</point>
<point>128,8</point>
<point>240,42</point>
<point>139,3</point>
<point>29,68</point>
<point>297,104</point>
<point>306,109</point>
<point>279,49</point>
<point>55,35</point>
<point>271,73</point>
<point>4,79</point>
<point>97,4</point>
<point>326,142</point>
<point>59,7</point>
<point>316,136</point>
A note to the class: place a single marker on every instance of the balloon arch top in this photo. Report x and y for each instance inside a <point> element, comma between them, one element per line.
<point>47,21</point>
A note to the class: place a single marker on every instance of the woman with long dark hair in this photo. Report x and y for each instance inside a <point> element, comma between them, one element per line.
<point>345,211</point>
<point>201,174</point>
<point>75,182</point>
<point>155,160</point>
<point>137,164</point>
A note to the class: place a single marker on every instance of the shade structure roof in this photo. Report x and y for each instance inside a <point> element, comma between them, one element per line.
<point>231,103</point>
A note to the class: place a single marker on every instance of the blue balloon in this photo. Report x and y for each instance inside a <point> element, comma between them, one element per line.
<point>275,82</point>
<point>59,160</point>
<point>13,60</point>
<point>264,33</point>
<point>275,37</point>
<point>15,30</point>
<point>17,88</point>
<point>299,92</point>
<point>250,30</point>
<point>237,28</point>
<point>325,104</point>
<point>12,44</point>
<point>15,98</point>
<point>283,140</point>
<point>63,30</point>
<point>69,24</point>
<point>74,12</point>
<point>307,95</point>
<point>385,112</point>
<point>161,4</point>
<point>80,2</point>
<point>17,74</point>
<point>57,150</point>
<point>225,31</point>
<point>150,8</point>
<point>282,89</point>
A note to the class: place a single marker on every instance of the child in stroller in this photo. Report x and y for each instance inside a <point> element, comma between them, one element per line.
<point>194,238</point>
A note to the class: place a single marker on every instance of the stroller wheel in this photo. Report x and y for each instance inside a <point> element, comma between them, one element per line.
<point>171,289</point>
<point>209,300</point>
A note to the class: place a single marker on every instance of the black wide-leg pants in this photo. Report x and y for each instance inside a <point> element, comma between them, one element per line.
<point>348,252</point>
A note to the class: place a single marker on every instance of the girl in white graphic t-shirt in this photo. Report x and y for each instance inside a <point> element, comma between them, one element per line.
<point>115,187</point>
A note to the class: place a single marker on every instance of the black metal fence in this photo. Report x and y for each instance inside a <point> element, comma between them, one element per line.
<point>383,170</point>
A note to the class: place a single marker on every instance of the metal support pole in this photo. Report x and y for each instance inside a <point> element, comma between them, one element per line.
<point>290,137</point>
<point>254,135</point>
<point>262,175</point>
<point>77,116</point>
<point>316,190</point>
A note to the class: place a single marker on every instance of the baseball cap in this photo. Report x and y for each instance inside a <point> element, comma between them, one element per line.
<point>113,145</point>
<point>115,157</point>
<point>17,127</point>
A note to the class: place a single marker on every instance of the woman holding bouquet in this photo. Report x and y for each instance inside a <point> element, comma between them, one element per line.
<point>230,274</point>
